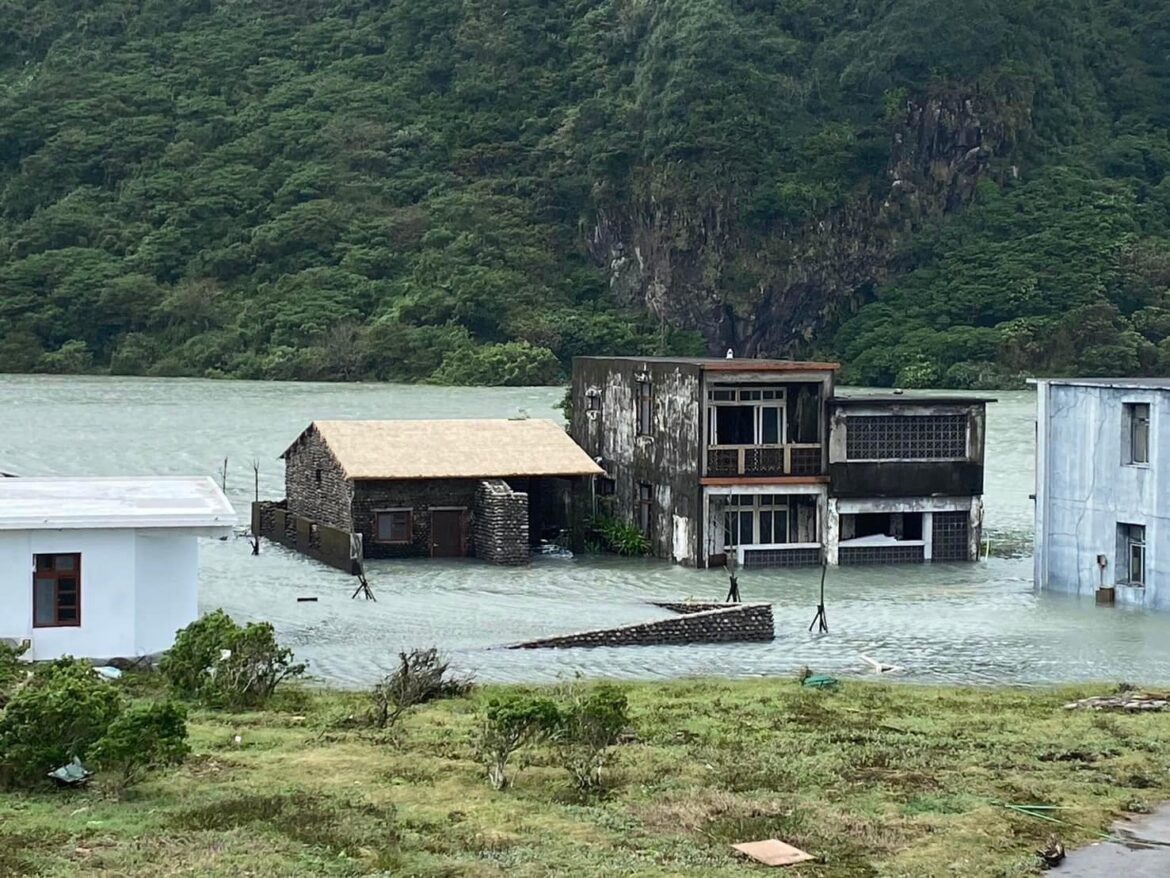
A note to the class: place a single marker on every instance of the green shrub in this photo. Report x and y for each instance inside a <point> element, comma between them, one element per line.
<point>142,738</point>
<point>513,364</point>
<point>421,676</point>
<point>510,723</point>
<point>621,537</point>
<point>222,664</point>
<point>590,725</point>
<point>59,714</point>
<point>12,669</point>
<point>190,661</point>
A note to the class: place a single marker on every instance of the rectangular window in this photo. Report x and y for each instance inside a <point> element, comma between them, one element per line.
<point>645,508</point>
<point>1131,539</point>
<point>645,407</point>
<point>906,437</point>
<point>593,401</point>
<point>57,591</point>
<point>318,475</point>
<point>393,526</point>
<point>1137,415</point>
<point>606,487</point>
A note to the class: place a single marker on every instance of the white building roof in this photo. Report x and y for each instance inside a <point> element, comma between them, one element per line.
<point>166,501</point>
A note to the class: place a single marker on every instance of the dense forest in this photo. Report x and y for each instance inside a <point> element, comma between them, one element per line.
<point>936,192</point>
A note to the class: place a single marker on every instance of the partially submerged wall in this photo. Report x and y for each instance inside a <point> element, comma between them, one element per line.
<point>727,624</point>
<point>329,545</point>
<point>500,523</point>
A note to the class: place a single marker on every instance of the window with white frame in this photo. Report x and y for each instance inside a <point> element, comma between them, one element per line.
<point>755,520</point>
<point>741,415</point>
<point>1137,430</point>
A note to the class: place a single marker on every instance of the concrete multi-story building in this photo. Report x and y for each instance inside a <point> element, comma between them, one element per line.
<point>1103,488</point>
<point>761,459</point>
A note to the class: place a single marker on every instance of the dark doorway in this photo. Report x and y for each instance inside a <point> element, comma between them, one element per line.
<point>448,533</point>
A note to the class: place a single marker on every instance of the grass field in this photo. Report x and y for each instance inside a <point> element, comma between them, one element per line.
<point>875,780</point>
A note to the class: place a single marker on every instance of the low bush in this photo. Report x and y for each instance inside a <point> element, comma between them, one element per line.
<point>59,714</point>
<point>421,676</point>
<point>142,738</point>
<point>510,723</point>
<point>222,664</point>
<point>590,725</point>
<point>621,537</point>
<point>13,670</point>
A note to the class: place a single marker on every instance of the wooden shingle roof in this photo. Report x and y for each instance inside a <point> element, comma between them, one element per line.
<point>455,449</point>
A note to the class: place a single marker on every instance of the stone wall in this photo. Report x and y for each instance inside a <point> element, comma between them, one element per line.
<point>419,496</point>
<point>500,524</point>
<point>315,486</point>
<point>728,624</point>
<point>688,607</point>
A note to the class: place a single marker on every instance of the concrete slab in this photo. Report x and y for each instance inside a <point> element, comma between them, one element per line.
<point>1144,853</point>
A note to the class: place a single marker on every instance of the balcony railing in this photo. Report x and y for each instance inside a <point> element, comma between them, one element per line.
<point>795,459</point>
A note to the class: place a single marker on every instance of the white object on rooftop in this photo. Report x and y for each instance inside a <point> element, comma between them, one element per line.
<point>144,502</point>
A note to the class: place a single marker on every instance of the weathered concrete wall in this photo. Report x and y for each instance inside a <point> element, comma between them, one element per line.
<point>420,496</point>
<point>500,524</point>
<point>738,622</point>
<point>934,512</point>
<point>668,459</point>
<point>329,545</point>
<point>906,477</point>
<point>1084,490</point>
<point>315,486</point>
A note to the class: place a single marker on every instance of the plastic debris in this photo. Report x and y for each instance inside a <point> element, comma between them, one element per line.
<point>73,774</point>
<point>820,681</point>
<point>108,672</point>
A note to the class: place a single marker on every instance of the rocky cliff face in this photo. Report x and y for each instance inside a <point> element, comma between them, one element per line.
<point>672,256</point>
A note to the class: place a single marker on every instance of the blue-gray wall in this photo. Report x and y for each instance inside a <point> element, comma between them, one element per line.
<point>1084,489</point>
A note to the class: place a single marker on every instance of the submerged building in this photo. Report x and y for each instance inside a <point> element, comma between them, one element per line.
<point>1103,488</point>
<point>443,489</point>
<point>760,458</point>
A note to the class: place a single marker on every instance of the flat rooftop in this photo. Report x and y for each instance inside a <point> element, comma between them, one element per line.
<point>733,364</point>
<point>1137,383</point>
<point>105,503</point>
<point>918,398</point>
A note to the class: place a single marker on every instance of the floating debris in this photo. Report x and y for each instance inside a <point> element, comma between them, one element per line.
<point>1130,702</point>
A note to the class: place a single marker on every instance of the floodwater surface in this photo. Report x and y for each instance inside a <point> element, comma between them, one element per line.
<point>962,623</point>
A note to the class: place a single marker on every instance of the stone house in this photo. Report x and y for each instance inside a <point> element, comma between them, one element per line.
<point>402,488</point>
<point>761,459</point>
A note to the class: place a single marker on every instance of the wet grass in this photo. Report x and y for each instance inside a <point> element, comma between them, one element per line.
<point>874,780</point>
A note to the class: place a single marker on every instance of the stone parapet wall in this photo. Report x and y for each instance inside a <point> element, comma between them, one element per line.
<point>500,524</point>
<point>687,607</point>
<point>730,624</point>
<point>330,545</point>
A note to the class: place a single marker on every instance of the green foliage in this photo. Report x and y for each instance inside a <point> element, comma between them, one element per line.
<point>142,738</point>
<point>621,537</point>
<point>222,664</point>
<point>59,714</point>
<point>437,191</point>
<point>13,670</point>
<point>509,723</point>
<point>590,725</point>
<point>421,676</point>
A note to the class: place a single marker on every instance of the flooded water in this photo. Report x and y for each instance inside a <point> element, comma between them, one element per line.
<point>977,623</point>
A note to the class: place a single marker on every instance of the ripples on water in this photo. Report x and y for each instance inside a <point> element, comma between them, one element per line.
<point>975,623</point>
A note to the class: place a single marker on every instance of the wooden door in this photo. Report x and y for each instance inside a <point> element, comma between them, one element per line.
<point>448,533</point>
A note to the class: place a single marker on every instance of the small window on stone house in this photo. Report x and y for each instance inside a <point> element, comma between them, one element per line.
<point>1137,433</point>
<point>318,475</point>
<point>645,509</point>
<point>593,401</point>
<point>393,526</point>
<point>645,407</point>
<point>606,487</point>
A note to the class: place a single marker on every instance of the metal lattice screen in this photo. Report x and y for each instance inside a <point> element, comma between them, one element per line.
<point>906,437</point>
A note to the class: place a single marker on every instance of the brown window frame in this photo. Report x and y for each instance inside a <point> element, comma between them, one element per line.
<point>55,575</point>
<point>646,509</point>
<point>409,513</point>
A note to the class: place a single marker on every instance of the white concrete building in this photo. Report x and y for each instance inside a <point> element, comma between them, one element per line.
<point>103,568</point>
<point>1103,488</point>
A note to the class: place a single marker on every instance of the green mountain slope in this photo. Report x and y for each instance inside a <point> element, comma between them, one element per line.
<point>477,190</point>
